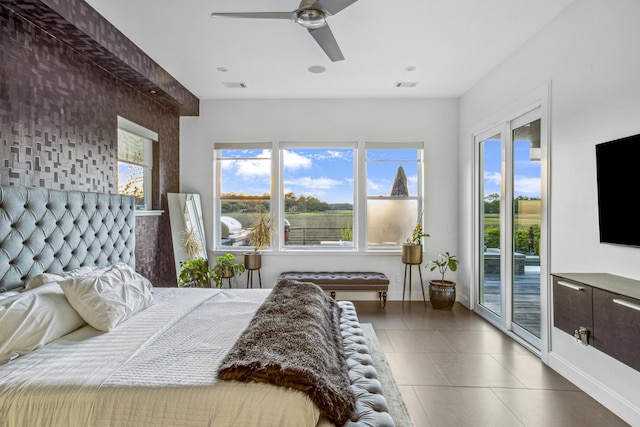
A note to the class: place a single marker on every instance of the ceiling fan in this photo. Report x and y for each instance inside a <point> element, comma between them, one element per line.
<point>311,15</point>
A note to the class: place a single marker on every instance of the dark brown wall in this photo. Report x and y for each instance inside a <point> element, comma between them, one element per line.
<point>58,120</point>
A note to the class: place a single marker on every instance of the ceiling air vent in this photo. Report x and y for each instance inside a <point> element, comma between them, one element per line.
<point>235,85</point>
<point>406,84</point>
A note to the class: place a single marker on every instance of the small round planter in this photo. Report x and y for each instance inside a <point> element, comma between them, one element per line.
<point>411,253</point>
<point>252,260</point>
<point>442,294</point>
<point>228,273</point>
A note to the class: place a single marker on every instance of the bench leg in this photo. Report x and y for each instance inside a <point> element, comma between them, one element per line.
<point>383,298</point>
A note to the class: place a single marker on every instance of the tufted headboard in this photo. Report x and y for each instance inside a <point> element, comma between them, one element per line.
<point>50,231</point>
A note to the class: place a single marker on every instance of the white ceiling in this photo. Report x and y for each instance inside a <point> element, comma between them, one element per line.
<point>451,43</point>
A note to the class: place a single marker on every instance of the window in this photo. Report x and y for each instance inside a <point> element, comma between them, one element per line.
<point>394,189</point>
<point>322,196</point>
<point>244,186</point>
<point>135,160</point>
<point>318,188</point>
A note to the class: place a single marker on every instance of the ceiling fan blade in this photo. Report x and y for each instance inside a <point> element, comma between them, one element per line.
<point>333,6</point>
<point>327,42</point>
<point>259,15</point>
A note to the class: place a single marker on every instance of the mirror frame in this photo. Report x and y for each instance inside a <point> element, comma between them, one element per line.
<point>185,212</point>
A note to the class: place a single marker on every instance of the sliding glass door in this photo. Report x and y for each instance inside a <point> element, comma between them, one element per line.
<point>527,214</point>
<point>491,182</point>
<point>510,216</point>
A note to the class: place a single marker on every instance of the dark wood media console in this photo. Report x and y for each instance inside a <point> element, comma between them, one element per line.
<point>601,310</point>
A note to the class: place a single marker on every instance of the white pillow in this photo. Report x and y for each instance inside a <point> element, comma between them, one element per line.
<point>41,279</point>
<point>34,318</point>
<point>44,278</point>
<point>108,297</point>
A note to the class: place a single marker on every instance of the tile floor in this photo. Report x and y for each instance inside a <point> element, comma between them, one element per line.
<point>455,369</point>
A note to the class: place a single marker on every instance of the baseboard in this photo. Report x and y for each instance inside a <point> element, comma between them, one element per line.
<point>617,404</point>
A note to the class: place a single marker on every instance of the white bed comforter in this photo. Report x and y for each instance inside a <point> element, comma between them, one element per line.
<point>156,369</point>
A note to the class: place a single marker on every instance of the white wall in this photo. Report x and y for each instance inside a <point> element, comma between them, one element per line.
<point>591,55</point>
<point>433,121</point>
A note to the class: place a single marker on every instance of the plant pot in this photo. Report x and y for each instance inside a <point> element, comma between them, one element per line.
<point>442,294</point>
<point>252,260</point>
<point>411,253</point>
<point>228,273</point>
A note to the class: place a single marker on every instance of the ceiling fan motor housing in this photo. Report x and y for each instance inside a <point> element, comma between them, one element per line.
<point>311,18</point>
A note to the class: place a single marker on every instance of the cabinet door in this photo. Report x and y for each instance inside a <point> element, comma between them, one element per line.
<point>572,306</point>
<point>616,320</point>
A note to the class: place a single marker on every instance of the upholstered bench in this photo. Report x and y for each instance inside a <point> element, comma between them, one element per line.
<point>332,281</point>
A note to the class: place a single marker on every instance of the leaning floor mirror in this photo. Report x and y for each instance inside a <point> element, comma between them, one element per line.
<point>187,230</point>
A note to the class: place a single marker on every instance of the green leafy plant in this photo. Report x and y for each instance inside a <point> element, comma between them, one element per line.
<point>260,231</point>
<point>226,267</point>
<point>417,235</point>
<point>346,233</point>
<point>443,262</point>
<point>196,272</point>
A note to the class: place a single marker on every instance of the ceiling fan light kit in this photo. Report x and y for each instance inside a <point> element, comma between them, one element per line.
<point>311,14</point>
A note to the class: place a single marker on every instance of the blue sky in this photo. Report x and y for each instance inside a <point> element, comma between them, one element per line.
<point>526,172</point>
<point>327,174</point>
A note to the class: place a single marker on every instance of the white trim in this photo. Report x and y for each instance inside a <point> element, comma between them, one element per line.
<point>531,107</point>
<point>148,213</point>
<point>135,128</point>
<point>609,398</point>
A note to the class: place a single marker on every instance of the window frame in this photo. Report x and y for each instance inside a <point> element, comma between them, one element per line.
<point>281,192</point>
<point>277,205</point>
<point>419,197</point>
<point>150,137</point>
<point>218,147</point>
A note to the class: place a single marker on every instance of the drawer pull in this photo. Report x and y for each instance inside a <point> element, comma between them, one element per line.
<point>627,304</point>
<point>570,285</point>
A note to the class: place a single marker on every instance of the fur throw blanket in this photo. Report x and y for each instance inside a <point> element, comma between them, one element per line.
<point>294,341</point>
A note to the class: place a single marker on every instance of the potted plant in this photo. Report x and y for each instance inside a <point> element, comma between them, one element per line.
<point>442,293</point>
<point>191,243</point>
<point>259,238</point>
<point>412,248</point>
<point>226,268</point>
<point>195,272</point>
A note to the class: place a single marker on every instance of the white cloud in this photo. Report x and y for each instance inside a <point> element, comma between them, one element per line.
<point>249,169</point>
<point>494,178</point>
<point>529,186</point>
<point>380,187</point>
<point>313,184</point>
<point>331,154</point>
<point>294,161</point>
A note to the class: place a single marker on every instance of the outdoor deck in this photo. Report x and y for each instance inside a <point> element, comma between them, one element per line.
<point>526,297</point>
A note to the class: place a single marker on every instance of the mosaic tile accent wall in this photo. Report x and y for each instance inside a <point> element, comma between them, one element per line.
<point>153,264</point>
<point>58,120</point>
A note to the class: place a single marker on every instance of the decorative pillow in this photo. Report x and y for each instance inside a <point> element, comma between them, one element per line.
<point>44,278</point>
<point>34,318</point>
<point>108,297</point>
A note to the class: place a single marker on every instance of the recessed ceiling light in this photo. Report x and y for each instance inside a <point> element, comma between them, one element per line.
<point>405,84</point>
<point>222,69</point>
<point>410,68</point>
<point>235,85</point>
<point>316,69</point>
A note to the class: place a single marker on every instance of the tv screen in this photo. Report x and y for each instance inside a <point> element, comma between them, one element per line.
<point>618,169</point>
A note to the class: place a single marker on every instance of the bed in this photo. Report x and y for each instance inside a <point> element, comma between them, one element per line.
<point>86,341</point>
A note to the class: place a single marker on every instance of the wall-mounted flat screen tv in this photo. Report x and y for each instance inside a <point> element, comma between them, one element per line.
<point>618,169</point>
